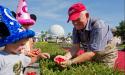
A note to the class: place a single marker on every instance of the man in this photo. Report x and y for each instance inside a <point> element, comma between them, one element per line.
<point>93,34</point>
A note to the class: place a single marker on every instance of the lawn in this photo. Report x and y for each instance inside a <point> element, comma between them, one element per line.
<point>48,67</point>
<point>121,47</point>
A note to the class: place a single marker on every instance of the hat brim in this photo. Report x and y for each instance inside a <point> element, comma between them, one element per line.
<point>73,16</point>
<point>26,22</point>
<point>16,37</point>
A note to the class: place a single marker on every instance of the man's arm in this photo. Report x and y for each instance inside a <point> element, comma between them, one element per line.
<point>83,57</point>
<point>73,51</point>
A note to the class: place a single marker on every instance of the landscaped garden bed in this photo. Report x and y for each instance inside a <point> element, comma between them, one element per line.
<point>49,67</point>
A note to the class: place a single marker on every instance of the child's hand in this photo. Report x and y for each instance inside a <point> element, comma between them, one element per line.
<point>44,55</point>
<point>30,54</point>
<point>59,58</point>
<point>35,51</point>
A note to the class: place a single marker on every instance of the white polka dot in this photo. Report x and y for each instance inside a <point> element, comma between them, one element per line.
<point>20,30</point>
<point>11,23</point>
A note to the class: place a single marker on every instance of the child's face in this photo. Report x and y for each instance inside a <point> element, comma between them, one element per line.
<point>31,43</point>
<point>15,48</point>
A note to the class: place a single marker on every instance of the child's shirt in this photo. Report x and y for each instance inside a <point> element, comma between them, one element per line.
<point>11,64</point>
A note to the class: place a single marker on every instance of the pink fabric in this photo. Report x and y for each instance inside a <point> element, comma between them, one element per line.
<point>80,52</point>
<point>120,61</point>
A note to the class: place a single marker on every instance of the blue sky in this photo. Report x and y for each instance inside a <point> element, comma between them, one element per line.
<point>50,12</point>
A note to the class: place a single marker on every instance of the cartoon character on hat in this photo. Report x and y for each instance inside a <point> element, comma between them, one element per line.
<point>10,29</point>
<point>23,16</point>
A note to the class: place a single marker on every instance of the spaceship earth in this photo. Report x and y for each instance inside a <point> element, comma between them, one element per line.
<point>56,30</point>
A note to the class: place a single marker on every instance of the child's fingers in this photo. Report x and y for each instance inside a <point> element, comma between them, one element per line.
<point>38,49</point>
<point>47,55</point>
<point>43,56</point>
<point>35,51</point>
<point>31,54</point>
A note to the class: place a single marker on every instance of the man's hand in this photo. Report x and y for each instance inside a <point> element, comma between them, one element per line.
<point>66,63</point>
<point>59,58</point>
<point>62,61</point>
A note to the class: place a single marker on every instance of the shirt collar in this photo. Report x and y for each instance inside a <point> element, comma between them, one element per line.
<point>88,25</point>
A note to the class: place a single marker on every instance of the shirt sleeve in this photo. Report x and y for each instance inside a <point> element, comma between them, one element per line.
<point>25,60</point>
<point>76,36</point>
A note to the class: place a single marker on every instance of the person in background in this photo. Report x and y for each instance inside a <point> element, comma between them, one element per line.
<point>117,39</point>
<point>93,34</point>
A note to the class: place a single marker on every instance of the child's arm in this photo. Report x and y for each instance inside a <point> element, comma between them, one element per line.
<point>34,59</point>
<point>37,52</point>
<point>39,56</point>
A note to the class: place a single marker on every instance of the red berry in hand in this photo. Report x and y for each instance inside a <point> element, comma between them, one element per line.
<point>59,60</point>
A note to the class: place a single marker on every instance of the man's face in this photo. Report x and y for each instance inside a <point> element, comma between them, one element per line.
<point>81,22</point>
<point>16,47</point>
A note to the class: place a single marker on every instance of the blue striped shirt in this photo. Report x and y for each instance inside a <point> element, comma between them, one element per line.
<point>94,37</point>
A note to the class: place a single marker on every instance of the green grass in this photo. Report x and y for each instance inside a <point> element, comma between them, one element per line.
<point>121,47</point>
<point>48,67</point>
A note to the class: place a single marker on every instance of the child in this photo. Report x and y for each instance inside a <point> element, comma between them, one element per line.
<point>13,37</point>
<point>28,50</point>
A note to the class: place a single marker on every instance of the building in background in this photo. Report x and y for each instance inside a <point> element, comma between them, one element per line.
<point>56,33</point>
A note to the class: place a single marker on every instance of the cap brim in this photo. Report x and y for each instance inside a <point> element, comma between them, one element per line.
<point>26,22</point>
<point>73,17</point>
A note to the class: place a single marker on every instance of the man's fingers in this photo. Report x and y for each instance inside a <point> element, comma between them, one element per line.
<point>62,64</point>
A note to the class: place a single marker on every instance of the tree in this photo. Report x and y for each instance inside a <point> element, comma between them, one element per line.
<point>43,35</point>
<point>69,35</point>
<point>121,30</point>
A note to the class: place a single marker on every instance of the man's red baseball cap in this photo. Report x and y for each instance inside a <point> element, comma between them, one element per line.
<point>74,11</point>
